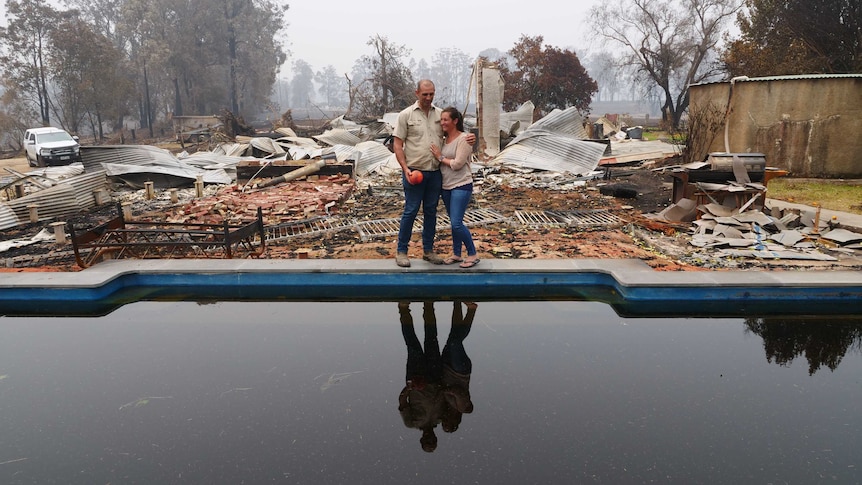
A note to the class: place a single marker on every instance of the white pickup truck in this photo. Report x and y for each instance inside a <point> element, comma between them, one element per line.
<point>50,146</point>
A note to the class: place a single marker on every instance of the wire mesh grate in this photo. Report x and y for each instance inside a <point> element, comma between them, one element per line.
<point>382,227</point>
<point>309,227</point>
<point>590,218</point>
<point>389,227</point>
<point>540,219</point>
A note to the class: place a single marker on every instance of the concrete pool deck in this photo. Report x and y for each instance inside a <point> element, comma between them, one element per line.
<point>630,286</point>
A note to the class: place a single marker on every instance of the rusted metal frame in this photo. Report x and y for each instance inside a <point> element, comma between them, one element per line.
<point>116,237</point>
<point>122,245</point>
<point>98,233</point>
<point>149,240</point>
<point>243,237</point>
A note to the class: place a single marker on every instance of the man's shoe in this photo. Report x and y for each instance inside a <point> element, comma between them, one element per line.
<point>401,259</point>
<point>432,258</point>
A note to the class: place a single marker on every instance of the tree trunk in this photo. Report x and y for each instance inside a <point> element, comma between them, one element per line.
<point>43,88</point>
<point>99,122</point>
<point>178,103</point>
<point>147,106</point>
<point>231,47</point>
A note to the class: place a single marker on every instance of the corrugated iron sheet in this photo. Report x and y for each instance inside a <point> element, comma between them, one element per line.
<point>127,154</point>
<point>338,136</point>
<point>135,161</point>
<point>215,161</point>
<point>285,131</point>
<point>518,120</point>
<point>554,143</point>
<point>374,154</point>
<point>546,151</point>
<point>85,186</point>
<point>231,149</point>
<point>54,202</point>
<point>267,145</point>
<point>793,77</point>
<point>564,122</point>
<point>69,197</point>
<point>342,152</point>
<point>376,129</point>
<point>308,143</point>
<point>352,127</point>
<point>8,218</point>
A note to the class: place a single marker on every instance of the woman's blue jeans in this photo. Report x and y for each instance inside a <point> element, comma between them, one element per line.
<point>427,195</point>
<point>456,201</point>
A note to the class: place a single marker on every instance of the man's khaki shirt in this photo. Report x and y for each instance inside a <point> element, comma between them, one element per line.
<point>418,132</point>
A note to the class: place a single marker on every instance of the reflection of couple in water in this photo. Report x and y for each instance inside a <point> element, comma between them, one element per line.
<point>438,384</point>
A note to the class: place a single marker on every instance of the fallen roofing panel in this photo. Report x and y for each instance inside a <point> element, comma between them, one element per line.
<point>787,238</point>
<point>231,149</point>
<point>267,145</point>
<point>754,216</point>
<point>8,218</point>
<point>42,236</point>
<point>569,121</point>
<point>517,121</point>
<point>338,136</point>
<point>373,155</point>
<point>67,190</point>
<point>547,151</point>
<point>128,154</point>
<point>215,161</point>
<point>55,202</point>
<point>136,164</point>
<point>554,143</point>
<point>164,175</point>
<point>842,236</point>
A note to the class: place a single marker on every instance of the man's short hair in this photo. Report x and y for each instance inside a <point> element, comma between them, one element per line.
<point>424,81</point>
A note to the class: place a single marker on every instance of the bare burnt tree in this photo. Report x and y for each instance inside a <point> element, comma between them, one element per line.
<point>671,44</point>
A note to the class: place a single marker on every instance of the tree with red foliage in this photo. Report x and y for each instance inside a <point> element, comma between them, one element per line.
<point>549,77</point>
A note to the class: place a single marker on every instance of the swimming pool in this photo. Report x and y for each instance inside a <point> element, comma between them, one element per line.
<point>308,392</point>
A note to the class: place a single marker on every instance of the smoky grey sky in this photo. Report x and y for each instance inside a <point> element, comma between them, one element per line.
<point>324,32</point>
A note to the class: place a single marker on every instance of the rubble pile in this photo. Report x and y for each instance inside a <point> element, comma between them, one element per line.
<point>346,177</point>
<point>778,234</point>
<point>723,235</point>
<point>286,202</point>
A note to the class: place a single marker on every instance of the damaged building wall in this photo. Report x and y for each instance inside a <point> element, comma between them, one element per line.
<point>810,126</point>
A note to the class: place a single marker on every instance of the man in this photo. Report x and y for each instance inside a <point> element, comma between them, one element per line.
<point>417,128</point>
<point>421,400</point>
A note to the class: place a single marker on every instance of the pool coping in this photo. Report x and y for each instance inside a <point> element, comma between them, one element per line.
<point>629,285</point>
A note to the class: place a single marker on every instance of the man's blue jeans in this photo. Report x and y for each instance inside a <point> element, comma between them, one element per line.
<point>456,201</point>
<point>427,195</point>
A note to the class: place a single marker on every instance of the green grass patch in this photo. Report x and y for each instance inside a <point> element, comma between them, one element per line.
<point>833,195</point>
<point>652,134</point>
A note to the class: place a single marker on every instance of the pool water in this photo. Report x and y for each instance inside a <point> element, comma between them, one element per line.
<point>543,392</point>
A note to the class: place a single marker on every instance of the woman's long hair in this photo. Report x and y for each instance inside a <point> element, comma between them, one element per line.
<point>455,116</point>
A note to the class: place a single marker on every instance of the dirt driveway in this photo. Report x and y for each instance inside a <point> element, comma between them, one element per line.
<point>18,164</point>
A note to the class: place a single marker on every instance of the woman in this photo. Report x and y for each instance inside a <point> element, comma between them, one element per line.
<point>454,160</point>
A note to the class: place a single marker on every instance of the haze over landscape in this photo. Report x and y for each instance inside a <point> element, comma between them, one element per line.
<point>335,32</point>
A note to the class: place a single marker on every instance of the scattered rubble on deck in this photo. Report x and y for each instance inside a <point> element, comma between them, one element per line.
<point>724,198</point>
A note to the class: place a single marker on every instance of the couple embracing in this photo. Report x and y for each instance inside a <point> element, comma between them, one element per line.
<point>433,141</point>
